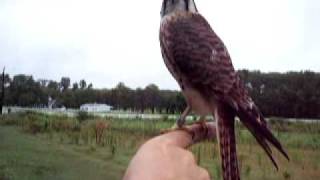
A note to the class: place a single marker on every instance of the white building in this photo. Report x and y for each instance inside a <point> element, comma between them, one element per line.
<point>95,107</point>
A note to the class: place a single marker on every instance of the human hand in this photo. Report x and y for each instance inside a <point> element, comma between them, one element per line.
<point>165,157</point>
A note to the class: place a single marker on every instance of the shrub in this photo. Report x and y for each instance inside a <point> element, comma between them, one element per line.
<point>286,175</point>
<point>83,115</point>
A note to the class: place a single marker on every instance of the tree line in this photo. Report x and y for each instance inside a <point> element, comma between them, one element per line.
<point>291,94</point>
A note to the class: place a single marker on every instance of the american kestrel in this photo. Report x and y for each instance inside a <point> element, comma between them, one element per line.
<point>200,63</point>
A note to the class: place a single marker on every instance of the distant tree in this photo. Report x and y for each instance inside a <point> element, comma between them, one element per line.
<point>7,96</point>
<point>168,101</point>
<point>90,86</point>
<point>121,95</point>
<point>83,84</point>
<point>75,86</point>
<point>65,83</point>
<point>291,94</point>
<point>68,99</point>
<point>139,100</point>
<point>25,91</point>
<point>2,90</point>
<point>105,96</point>
<point>152,97</point>
<point>180,103</point>
<point>43,82</point>
<point>52,89</point>
<point>53,85</point>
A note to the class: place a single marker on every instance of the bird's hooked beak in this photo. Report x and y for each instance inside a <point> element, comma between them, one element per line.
<point>169,6</point>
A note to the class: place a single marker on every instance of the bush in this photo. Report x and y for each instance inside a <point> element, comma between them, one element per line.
<point>286,175</point>
<point>34,127</point>
<point>9,120</point>
<point>83,115</point>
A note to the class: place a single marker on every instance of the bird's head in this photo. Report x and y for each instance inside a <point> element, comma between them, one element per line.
<point>171,6</point>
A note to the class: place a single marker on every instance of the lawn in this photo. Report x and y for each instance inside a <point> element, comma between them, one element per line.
<point>24,156</point>
<point>36,146</point>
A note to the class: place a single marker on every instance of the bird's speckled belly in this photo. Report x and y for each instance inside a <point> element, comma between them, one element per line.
<point>199,104</point>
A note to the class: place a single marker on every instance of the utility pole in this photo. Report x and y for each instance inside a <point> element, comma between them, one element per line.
<point>2,92</point>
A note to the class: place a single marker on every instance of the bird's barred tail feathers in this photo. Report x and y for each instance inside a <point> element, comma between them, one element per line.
<point>227,143</point>
<point>254,121</point>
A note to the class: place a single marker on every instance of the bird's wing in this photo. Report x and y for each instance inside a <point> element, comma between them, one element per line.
<point>197,53</point>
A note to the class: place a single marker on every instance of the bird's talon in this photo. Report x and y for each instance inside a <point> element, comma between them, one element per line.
<point>180,123</point>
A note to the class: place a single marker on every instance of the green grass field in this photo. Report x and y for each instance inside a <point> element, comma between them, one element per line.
<point>24,156</point>
<point>36,146</point>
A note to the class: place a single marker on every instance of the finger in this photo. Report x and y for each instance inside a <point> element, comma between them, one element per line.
<point>190,134</point>
<point>203,174</point>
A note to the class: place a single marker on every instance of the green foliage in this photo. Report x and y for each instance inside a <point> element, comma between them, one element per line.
<point>12,119</point>
<point>65,83</point>
<point>218,172</point>
<point>83,84</point>
<point>2,90</point>
<point>286,175</point>
<point>83,115</point>
<point>247,170</point>
<point>24,91</point>
<point>123,137</point>
<point>34,122</point>
<point>24,156</point>
<point>291,94</point>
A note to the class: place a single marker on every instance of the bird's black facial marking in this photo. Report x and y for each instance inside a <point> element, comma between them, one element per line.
<point>187,4</point>
<point>164,6</point>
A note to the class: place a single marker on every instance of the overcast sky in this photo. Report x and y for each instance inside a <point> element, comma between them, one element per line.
<point>104,41</point>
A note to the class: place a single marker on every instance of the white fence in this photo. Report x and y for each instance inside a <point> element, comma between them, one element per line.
<point>112,114</point>
<point>120,115</point>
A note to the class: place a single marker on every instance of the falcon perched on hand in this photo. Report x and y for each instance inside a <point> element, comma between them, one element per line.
<point>200,63</point>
